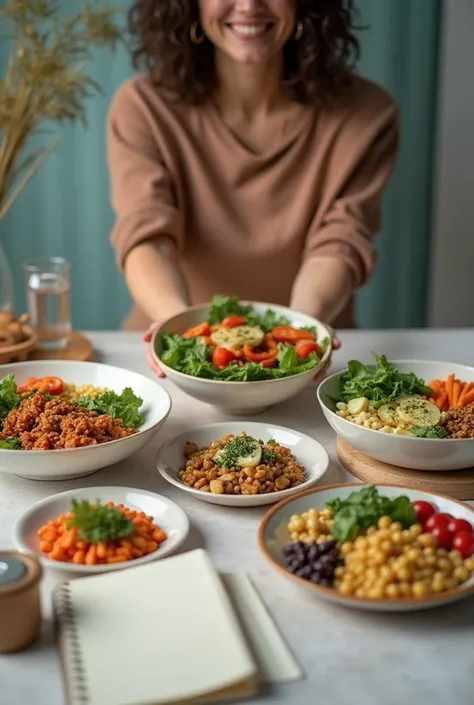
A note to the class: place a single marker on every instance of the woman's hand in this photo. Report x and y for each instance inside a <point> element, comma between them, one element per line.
<point>149,355</point>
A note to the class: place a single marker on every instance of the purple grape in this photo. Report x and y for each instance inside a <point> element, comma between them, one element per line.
<point>304,572</point>
<point>315,578</point>
<point>327,546</point>
<point>313,552</point>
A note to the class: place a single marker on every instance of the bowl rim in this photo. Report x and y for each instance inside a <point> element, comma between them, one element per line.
<point>176,482</point>
<point>50,363</point>
<point>331,592</point>
<point>20,543</point>
<point>335,375</point>
<point>316,370</point>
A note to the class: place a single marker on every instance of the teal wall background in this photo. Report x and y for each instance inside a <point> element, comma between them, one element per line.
<point>65,210</point>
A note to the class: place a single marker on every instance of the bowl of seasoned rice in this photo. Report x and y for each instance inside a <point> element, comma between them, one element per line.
<point>63,420</point>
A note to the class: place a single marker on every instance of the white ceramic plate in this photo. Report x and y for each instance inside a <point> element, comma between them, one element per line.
<point>241,398</point>
<point>167,515</point>
<point>308,452</point>
<point>273,535</point>
<point>404,451</point>
<point>71,463</point>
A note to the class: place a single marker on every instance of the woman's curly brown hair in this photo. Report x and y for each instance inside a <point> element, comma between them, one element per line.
<point>315,67</point>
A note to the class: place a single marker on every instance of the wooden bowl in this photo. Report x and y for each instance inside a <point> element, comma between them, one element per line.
<point>20,351</point>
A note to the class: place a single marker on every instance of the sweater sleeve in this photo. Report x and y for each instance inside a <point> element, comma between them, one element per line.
<point>350,213</point>
<point>141,185</point>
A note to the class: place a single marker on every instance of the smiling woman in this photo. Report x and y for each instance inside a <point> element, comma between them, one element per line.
<point>249,160</point>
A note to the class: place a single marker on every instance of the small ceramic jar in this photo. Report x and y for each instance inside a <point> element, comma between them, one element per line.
<point>20,606</point>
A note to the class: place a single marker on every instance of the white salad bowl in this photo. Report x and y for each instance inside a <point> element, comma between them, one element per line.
<point>77,462</point>
<point>403,451</point>
<point>166,514</point>
<point>239,398</point>
<point>273,535</point>
<point>308,452</point>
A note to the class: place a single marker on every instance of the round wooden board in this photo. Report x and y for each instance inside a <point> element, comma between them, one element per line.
<point>78,348</point>
<point>458,483</point>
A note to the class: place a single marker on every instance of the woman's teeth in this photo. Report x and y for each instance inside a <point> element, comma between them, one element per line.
<point>249,30</point>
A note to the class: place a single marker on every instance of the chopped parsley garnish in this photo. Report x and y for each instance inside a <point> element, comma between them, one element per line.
<point>10,444</point>
<point>434,432</point>
<point>99,522</point>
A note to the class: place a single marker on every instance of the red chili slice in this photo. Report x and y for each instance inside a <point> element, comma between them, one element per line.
<point>287,334</point>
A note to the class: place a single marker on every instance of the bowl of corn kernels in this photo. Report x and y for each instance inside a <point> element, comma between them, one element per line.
<point>380,548</point>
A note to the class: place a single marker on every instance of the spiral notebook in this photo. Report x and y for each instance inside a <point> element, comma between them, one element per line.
<point>166,633</point>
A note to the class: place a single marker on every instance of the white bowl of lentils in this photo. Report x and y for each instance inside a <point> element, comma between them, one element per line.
<point>277,462</point>
<point>367,433</point>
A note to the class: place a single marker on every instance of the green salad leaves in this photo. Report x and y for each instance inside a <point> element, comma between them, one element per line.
<point>9,397</point>
<point>192,356</point>
<point>382,385</point>
<point>363,508</point>
<point>124,406</point>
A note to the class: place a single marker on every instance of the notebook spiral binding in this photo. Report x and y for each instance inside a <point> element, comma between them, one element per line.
<point>68,638</point>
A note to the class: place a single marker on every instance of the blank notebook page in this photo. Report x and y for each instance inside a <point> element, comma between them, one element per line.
<point>160,633</point>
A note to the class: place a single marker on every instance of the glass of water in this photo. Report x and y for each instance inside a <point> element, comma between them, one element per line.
<point>48,294</point>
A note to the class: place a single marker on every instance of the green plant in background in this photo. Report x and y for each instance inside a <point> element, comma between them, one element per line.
<point>45,78</point>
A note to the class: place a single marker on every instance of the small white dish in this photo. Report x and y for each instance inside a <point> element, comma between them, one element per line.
<point>70,463</point>
<point>273,535</point>
<point>167,515</point>
<point>240,398</point>
<point>307,451</point>
<point>403,451</point>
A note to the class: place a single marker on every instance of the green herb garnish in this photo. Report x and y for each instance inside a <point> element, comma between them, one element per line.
<point>9,397</point>
<point>240,447</point>
<point>434,432</point>
<point>10,443</point>
<point>382,385</point>
<point>363,508</point>
<point>268,456</point>
<point>124,406</point>
<point>98,522</point>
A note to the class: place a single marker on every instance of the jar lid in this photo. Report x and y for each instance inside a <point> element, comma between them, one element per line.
<point>11,570</point>
<point>18,572</point>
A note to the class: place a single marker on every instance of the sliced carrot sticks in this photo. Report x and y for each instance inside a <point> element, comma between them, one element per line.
<point>451,393</point>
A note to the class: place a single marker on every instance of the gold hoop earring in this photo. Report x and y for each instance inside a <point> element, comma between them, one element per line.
<point>193,33</point>
<point>299,31</point>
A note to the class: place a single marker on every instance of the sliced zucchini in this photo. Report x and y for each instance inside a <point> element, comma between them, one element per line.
<point>389,412</point>
<point>236,338</point>
<point>357,406</point>
<point>419,412</point>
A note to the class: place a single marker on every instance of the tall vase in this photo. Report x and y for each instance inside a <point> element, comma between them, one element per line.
<point>6,284</point>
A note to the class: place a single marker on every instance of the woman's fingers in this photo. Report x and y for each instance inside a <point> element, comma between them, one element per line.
<point>149,354</point>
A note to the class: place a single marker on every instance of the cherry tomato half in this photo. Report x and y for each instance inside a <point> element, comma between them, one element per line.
<point>233,321</point>
<point>50,385</point>
<point>440,519</point>
<point>304,348</point>
<point>423,510</point>
<point>456,525</point>
<point>463,542</point>
<point>443,536</point>
<point>221,357</point>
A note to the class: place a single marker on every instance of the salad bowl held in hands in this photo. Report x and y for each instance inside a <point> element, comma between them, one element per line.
<point>391,412</point>
<point>241,357</point>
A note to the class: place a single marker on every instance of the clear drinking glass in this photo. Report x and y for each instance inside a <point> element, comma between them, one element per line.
<point>48,295</point>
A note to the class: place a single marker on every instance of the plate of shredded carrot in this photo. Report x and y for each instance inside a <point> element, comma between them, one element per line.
<point>100,529</point>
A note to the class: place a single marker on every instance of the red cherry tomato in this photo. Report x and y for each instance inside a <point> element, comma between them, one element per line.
<point>463,542</point>
<point>305,347</point>
<point>423,510</point>
<point>456,525</point>
<point>440,519</point>
<point>233,321</point>
<point>221,357</point>
<point>443,536</point>
<point>197,331</point>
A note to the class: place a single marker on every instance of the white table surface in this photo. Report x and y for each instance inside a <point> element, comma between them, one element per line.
<point>350,657</point>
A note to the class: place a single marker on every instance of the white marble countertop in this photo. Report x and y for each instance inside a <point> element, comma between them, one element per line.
<point>350,657</point>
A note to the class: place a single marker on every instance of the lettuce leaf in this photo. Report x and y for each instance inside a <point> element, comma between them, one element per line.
<point>10,443</point>
<point>124,406</point>
<point>9,397</point>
